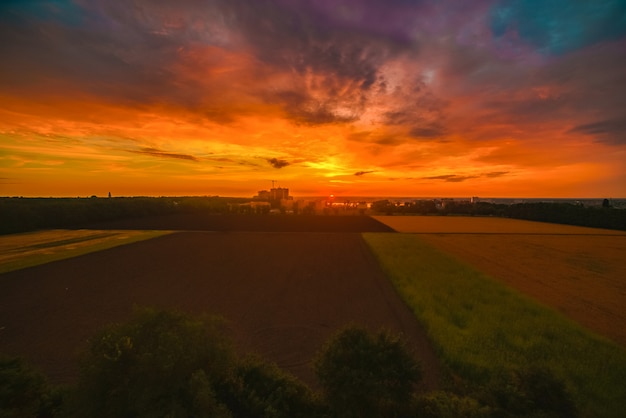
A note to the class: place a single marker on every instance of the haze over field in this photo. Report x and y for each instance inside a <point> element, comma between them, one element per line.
<point>351,97</point>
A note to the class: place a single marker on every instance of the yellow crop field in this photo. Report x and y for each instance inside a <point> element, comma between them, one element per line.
<point>33,248</point>
<point>579,271</point>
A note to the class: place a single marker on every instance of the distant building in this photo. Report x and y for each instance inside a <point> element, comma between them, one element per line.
<point>276,196</point>
<point>262,195</point>
<point>279,193</point>
<point>275,193</point>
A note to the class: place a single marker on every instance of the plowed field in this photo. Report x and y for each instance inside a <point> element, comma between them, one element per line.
<point>283,293</point>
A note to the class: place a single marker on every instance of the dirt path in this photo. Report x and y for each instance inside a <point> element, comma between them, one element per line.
<point>283,293</point>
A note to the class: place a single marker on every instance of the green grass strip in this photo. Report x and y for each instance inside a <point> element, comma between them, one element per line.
<point>31,260</point>
<point>480,326</point>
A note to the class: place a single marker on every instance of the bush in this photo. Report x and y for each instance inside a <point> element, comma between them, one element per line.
<point>367,375</point>
<point>529,392</point>
<point>169,364</point>
<point>449,405</point>
<point>24,392</point>
<point>158,364</point>
<point>261,389</point>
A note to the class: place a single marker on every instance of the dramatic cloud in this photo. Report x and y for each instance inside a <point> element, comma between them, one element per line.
<point>510,94</point>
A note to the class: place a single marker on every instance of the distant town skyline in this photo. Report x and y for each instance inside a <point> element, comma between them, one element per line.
<point>493,98</point>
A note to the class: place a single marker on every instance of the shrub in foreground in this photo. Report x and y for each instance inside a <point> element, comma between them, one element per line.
<point>24,392</point>
<point>158,364</point>
<point>529,391</point>
<point>367,375</point>
<point>168,364</point>
<point>261,389</point>
<point>450,405</point>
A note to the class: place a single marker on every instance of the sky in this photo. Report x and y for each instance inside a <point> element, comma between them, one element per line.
<point>444,98</point>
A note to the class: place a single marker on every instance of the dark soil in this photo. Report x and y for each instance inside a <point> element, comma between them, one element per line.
<point>284,294</point>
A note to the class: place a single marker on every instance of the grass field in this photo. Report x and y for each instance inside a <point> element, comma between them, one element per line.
<point>19,251</point>
<point>480,325</point>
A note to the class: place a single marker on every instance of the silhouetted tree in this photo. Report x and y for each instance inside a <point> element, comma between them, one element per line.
<point>168,364</point>
<point>24,392</point>
<point>260,389</point>
<point>158,364</point>
<point>383,206</point>
<point>449,405</point>
<point>367,375</point>
<point>530,391</point>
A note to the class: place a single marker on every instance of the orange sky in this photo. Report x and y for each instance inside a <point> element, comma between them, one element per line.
<point>220,98</point>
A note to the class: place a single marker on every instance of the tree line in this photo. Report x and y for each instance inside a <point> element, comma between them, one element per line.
<point>29,214</point>
<point>171,364</point>
<point>603,216</point>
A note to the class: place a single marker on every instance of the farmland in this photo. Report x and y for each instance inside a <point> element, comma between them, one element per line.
<point>460,276</point>
<point>579,271</point>
<point>283,294</point>
<point>481,327</point>
<point>285,284</point>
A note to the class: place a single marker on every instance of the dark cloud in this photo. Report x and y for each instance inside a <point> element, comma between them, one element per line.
<point>331,56</point>
<point>300,36</point>
<point>302,108</point>
<point>451,178</point>
<point>164,154</point>
<point>420,111</point>
<point>611,131</point>
<point>116,59</point>
<point>278,163</point>
<point>334,64</point>
<point>136,53</point>
<point>362,173</point>
<point>511,100</point>
<point>456,178</point>
<point>141,51</point>
<point>494,174</point>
